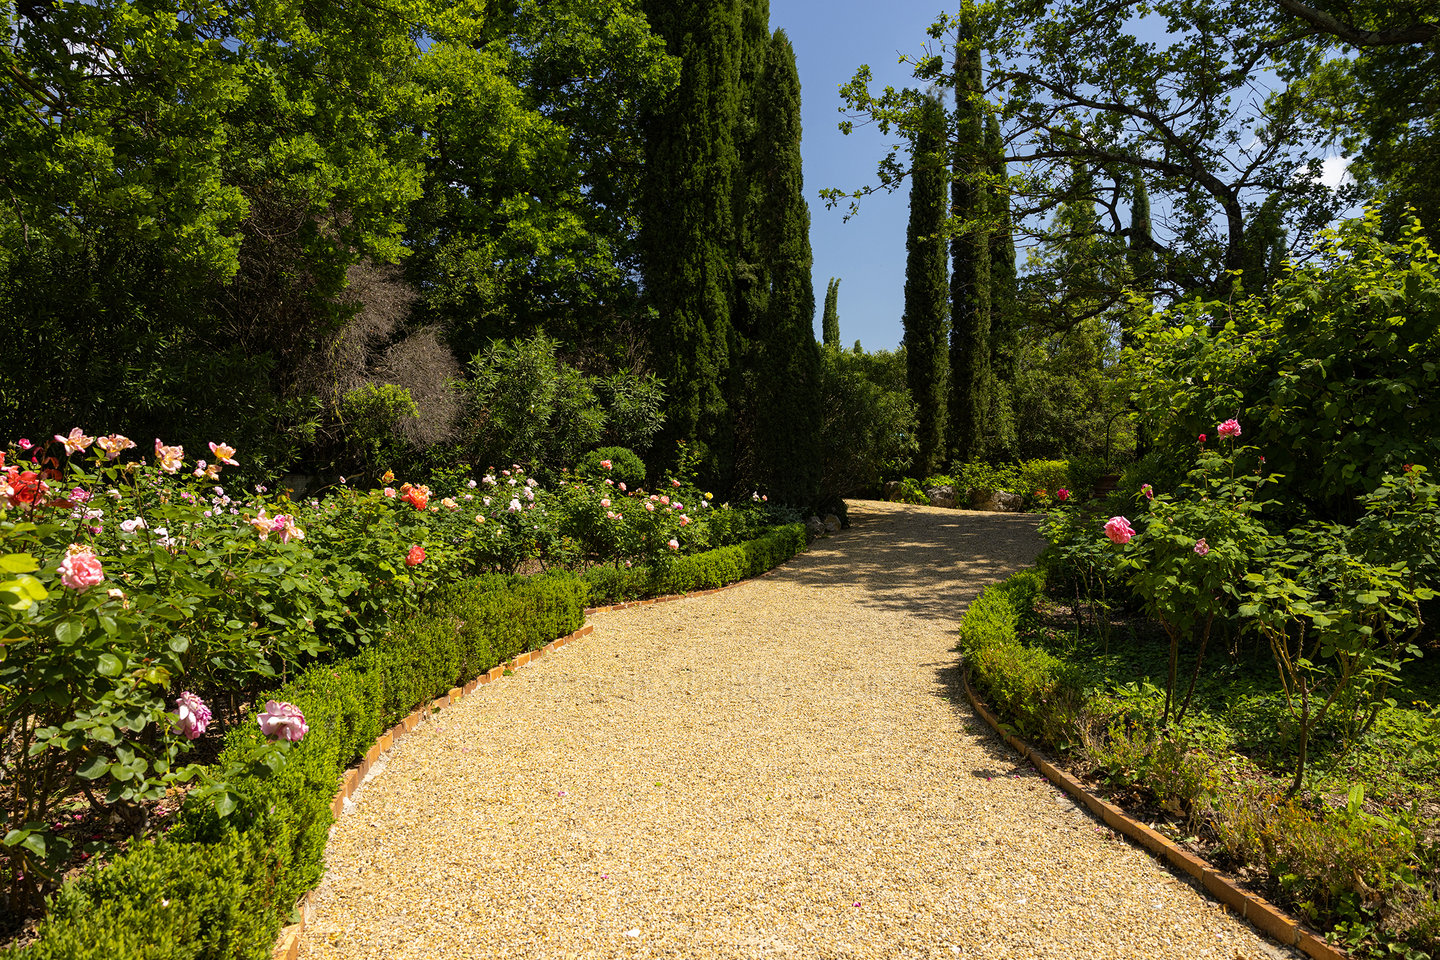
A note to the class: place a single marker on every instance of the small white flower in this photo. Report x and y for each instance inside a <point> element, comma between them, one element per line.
<point>515,505</point>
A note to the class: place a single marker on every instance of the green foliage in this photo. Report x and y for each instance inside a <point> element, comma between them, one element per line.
<point>830,318</point>
<point>703,571</point>
<point>779,452</point>
<point>624,466</point>
<point>688,229</point>
<point>868,431</point>
<point>1335,367</point>
<point>927,305</point>
<point>909,491</point>
<point>970,375</point>
<point>526,405</point>
<point>1193,552</point>
<point>222,886</point>
<point>371,417</point>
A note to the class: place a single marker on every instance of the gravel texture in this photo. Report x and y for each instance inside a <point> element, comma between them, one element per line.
<point>786,768</point>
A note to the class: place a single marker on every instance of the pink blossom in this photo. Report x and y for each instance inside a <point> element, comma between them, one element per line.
<point>1148,490</point>
<point>1118,529</point>
<point>76,442</point>
<point>114,445</point>
<point>1062,494</point>
<point>674,483</point>
<point>673,544</point>
<point>650,507</point>
<point>80,570</point>
<point>605,464</point>
<point>282,721</point>
<point>1201,547</point>
<point>665,500</point>
<point>1202,438</point>
<point>81,495</point>
<point>191,715</point>
<point>605,502</point>
<point>224,453</point>
<point>1230,428</point>
<point>684,520</point>
<point>622,487</point>
<point>284,524</point>
<point>168,459</point>
<point>389,492</point>
<point>24,444</point>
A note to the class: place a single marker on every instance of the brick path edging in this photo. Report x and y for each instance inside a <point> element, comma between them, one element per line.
<point>287,947</point>
<point>1259,913</point>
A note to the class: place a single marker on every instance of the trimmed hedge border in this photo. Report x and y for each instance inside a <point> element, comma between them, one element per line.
<point>612,586</point>
<point>990,644</point>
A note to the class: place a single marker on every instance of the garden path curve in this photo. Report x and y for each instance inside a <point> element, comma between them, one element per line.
<point>786,768</point>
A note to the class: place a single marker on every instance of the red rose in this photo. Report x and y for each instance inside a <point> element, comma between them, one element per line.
<point>415,556</point>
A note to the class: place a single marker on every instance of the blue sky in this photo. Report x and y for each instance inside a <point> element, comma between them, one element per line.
<point>831,40</point>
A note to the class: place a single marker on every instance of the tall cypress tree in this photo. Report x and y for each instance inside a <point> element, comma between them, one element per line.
<point>1004,295</point>
<point>830,319</point>
<point>926,288</point>
<point>970,252</point>
<point>688,230</point>
<point>782,455</point>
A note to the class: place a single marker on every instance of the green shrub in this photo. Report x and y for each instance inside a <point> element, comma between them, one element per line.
<point>625,466</point>
<point>701,571</point>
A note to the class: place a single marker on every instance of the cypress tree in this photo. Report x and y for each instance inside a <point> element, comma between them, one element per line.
<point>970,253</point>
<point>926,288</point>
<point>688,231</point>
<point>830,320</point>
<point>1138,254</point>
<point>1004,295</point>
<point>782,456</point>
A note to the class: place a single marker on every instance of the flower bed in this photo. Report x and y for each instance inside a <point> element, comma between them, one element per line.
<point>222,886</point>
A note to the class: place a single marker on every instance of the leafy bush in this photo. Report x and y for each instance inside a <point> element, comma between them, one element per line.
<point>624,466</point>
<point>371,417</point>
<point>525,404</point>
<point>1334,368</point>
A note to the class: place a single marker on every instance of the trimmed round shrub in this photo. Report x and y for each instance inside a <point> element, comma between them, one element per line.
<point>625,466</point>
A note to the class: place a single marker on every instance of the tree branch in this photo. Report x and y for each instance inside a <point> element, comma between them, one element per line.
<point>1326,23</point>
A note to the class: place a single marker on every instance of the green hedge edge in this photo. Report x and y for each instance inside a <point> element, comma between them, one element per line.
<point>222,889</point>
<point>701,571</point>
<point>1029,689</point>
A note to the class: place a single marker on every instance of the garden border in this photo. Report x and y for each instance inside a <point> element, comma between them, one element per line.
<point>1259,913</point>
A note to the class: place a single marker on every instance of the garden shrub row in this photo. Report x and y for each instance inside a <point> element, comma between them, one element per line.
<point>224,886</point>
<point>1339,867</point>
<point>701,571</point>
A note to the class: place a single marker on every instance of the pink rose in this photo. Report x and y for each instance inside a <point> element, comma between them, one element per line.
<point>80,570</point>
<point>389,492</point>
<point>605,502</point>
<point>605,464</point>
<point>1062,494</point>
<point>1118,529</point>
<point>282,721</point>
<point>650,507</point>
<point>622,487</point>
<point>191,715</point>
<point>1201,547</point>
<point>674,483</point>
<point>76,442</point>
<point>673,544</point>
<point>1202,438</point>
<point>1230,428</point>
<point>1148,490</point>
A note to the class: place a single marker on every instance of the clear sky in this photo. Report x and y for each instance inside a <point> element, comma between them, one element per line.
<point>832,38</point>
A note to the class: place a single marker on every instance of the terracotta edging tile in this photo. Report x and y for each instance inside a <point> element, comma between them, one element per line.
<point>1260,914</point>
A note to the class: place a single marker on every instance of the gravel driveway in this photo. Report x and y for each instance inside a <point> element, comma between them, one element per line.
<point>786,768</point>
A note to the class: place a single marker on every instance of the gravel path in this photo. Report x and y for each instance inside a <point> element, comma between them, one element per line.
<point>786,768</point>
